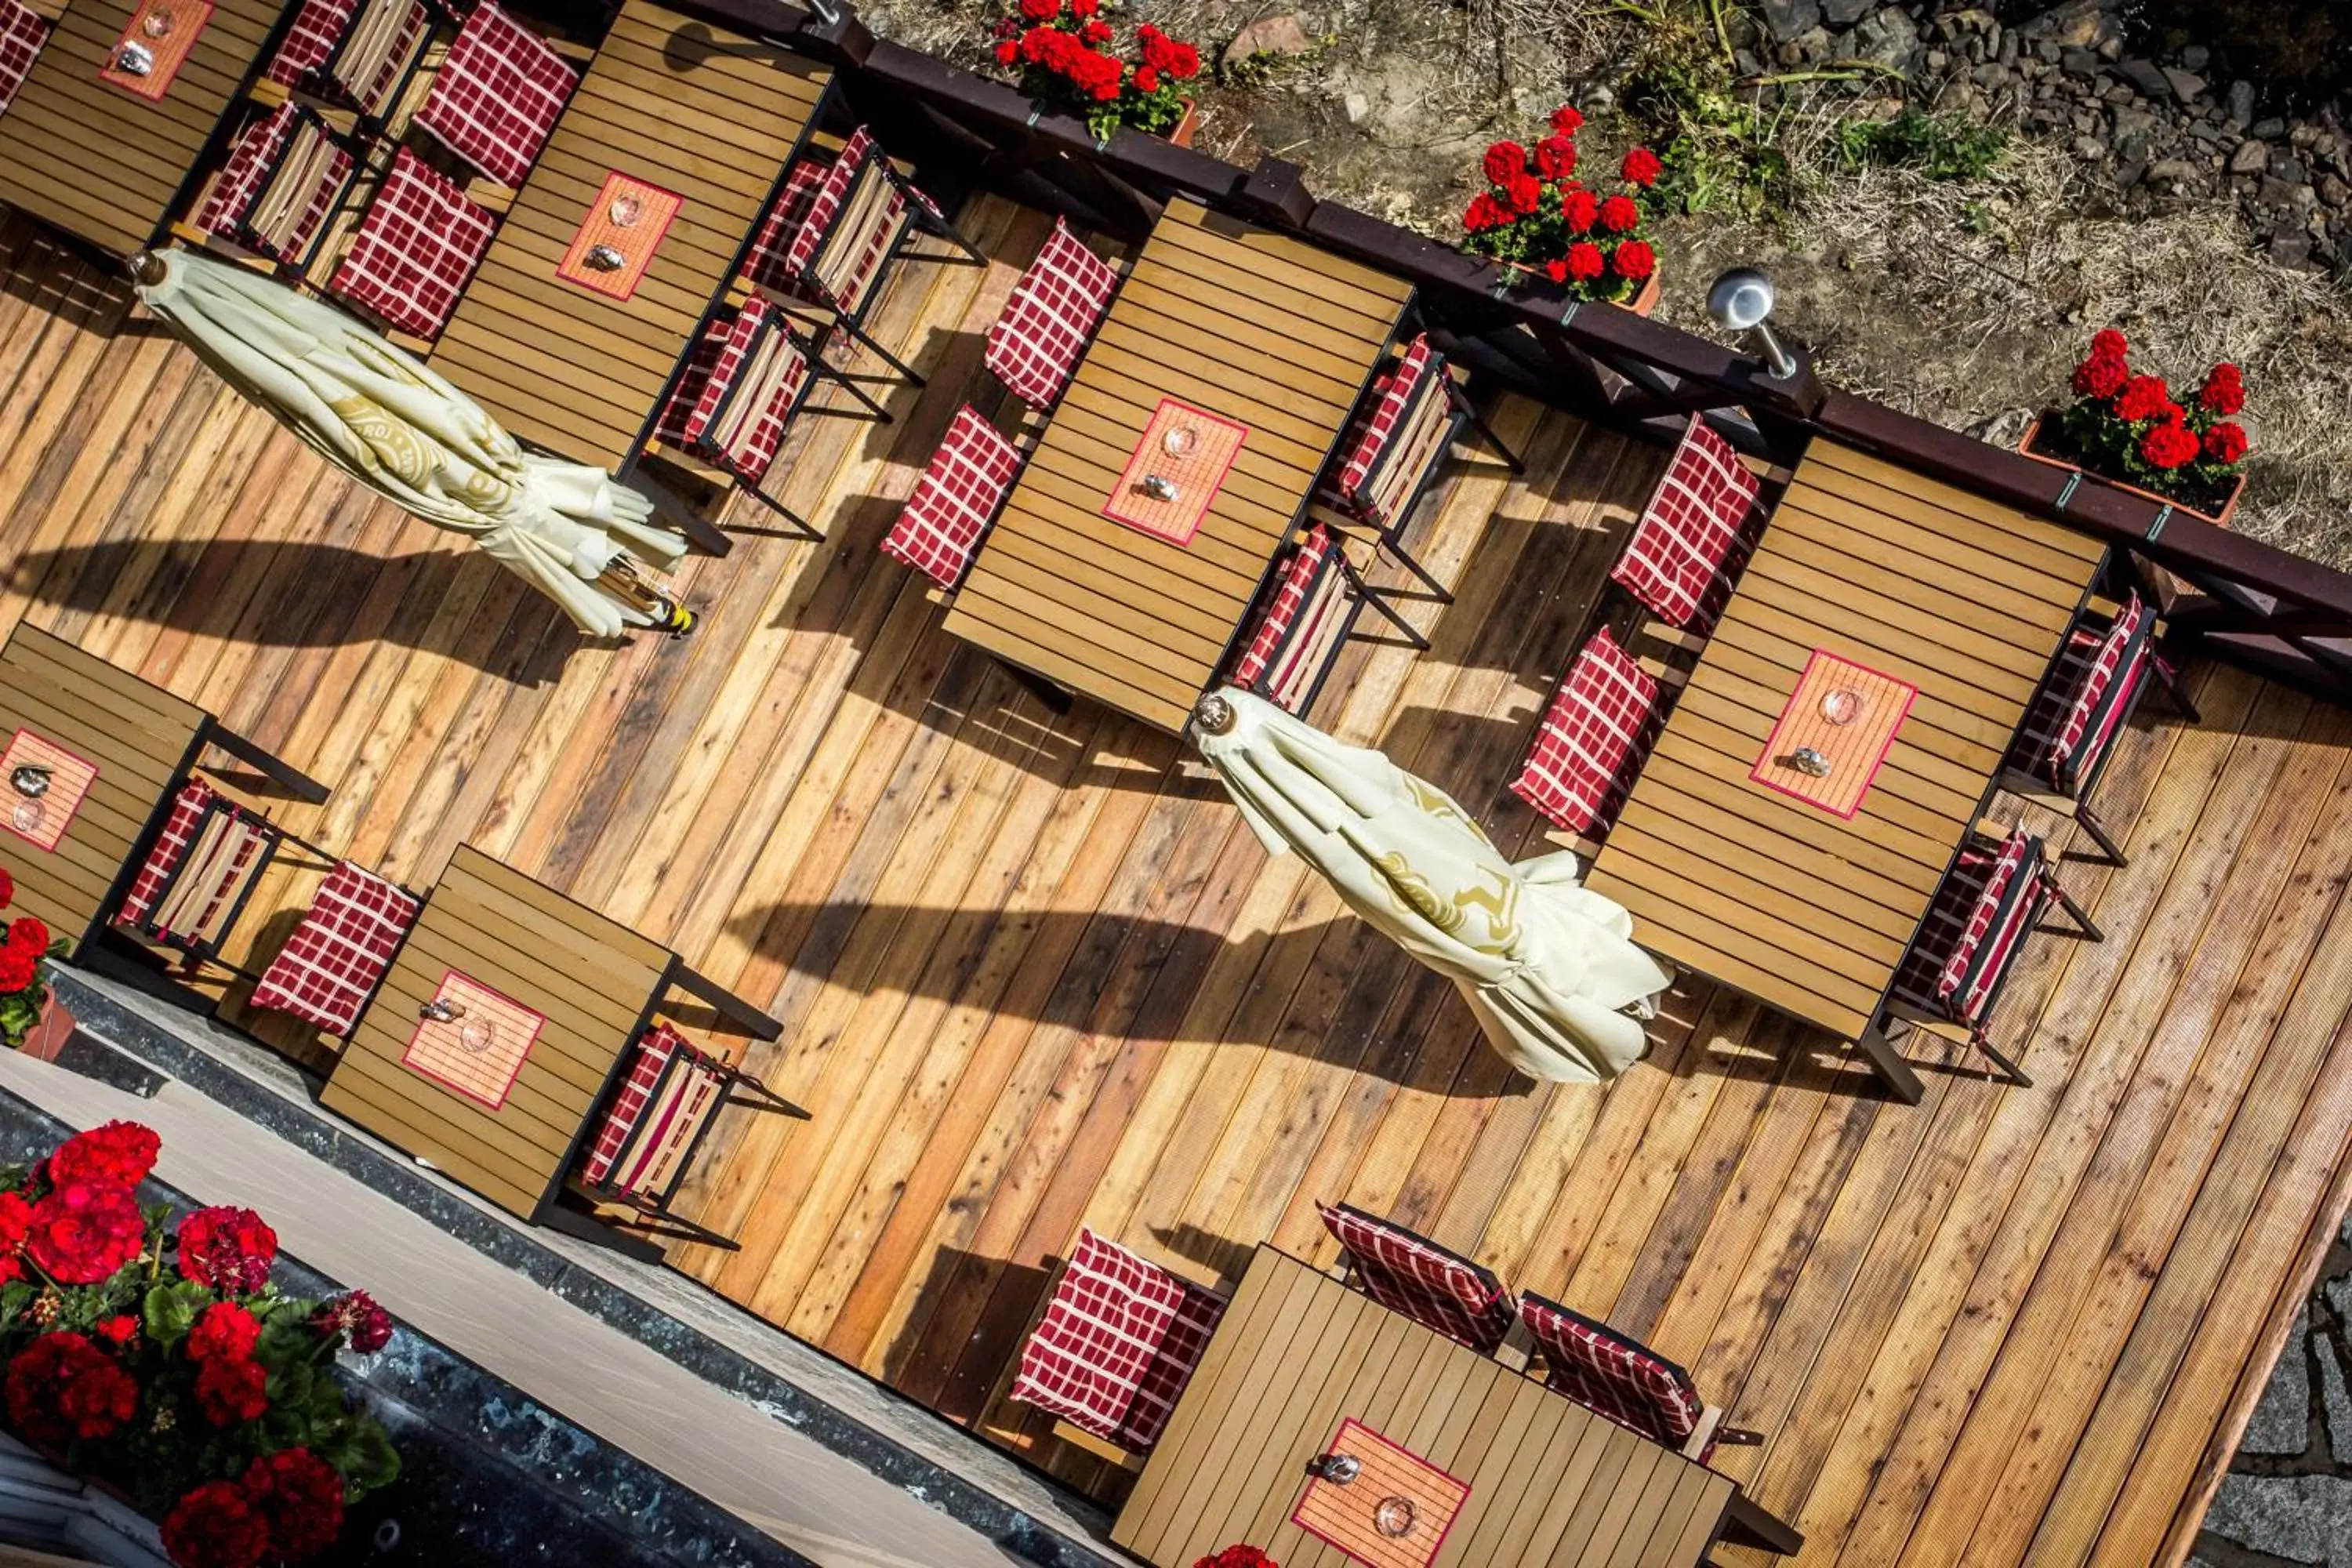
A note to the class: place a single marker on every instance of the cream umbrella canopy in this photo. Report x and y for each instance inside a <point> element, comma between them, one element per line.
<point>380,416</point>
<point>1548,968</point>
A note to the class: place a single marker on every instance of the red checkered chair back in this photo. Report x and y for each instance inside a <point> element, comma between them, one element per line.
<point>1397,436</point>
<point>311,42</point>
<point>669,1090</point>
<point>768,263</point>
<point>22,33</point>
<point>499,95</point>
<point>1614,1376</point>
<point>1119,1339</point>
<point>230,206</point>
<point>1993,897</point>
<point>1589,746</point>
<point>758,358</point>
<point>1052,314</point>
<point>826,203</point>
<point>1302,627</point>
<point>416,248</point>
<point>188,807</point>
<point>1414,1277</point>
<point>2080,709</point>
<point>1694,537</point>
<point>374,78</point>
<point>347,940</point>
<point>958,497</point>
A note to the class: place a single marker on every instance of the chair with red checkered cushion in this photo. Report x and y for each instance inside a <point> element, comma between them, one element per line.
<point>766,263</point>
<point>319,26</point>
<point>202,867</point>
<point>22,33</point>
<point>1049,317</point>
<point>499,95</point>
<point>188,808</point>
<point>1117,1342</point>
<point>1596,730</point>
<point>289,144</point>
<point>337,954</point>
<point>1624,1381</point>
<point>1694,536</point>
<point>378,54</point>
<point>1305,620</point>
<point>1411,1275</point>
<point>957,500</point>
<point>416,248</point>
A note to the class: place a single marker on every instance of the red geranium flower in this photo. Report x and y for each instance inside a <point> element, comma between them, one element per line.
<point>61,1386</point>
<point>1238,1557</point>
<point>82,1232</point>
<point>1620,215</point>
<point>224,1329</point>
<point>2225,443</point>
<point>215,1527</point>
<point>1008,51</point>
<point>1041,10</point>
<point>2101,375</point>
<point>120,1154</point>
<point>2108,343</point>
<point>300,1498</point>
<point>2144,397</point>
<point>15,1220</point>
<point>1504,161</point>
<point>1641,167</point>
<point>2169,446</point>
<point>1082,9</point>
<point>1096,31</point>
<point>230,1390</point>
<point>356,1316</point>
<point>227,1248</point>
<point>27,933</point>
<point>1557,270</point>
<point>1565,121</point>
<point>17,968</point>
<point>1524,192</point>
<point>1634,259</point>
<point>119,1330</point>
<point>1585,261</point>
<point>1556,157</point>
<point>1580,209</point>
<point>1483,213</point>
<point>8,889</point>
<point>2224,392</point>
<point>1168,57</point>
<point>1146,80</point>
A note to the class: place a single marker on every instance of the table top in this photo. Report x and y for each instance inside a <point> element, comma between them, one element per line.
<point>139,738</point>
<point>1239,322</point>
<point>588,980</point>
<point>105,163</point>
<point>1549,1482</point>
<point>708,115</point>
<point>1963,598</point>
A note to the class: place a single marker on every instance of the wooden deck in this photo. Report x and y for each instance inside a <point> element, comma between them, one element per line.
<point>1035,972</point>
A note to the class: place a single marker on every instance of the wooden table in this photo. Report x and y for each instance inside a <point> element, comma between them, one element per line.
<point>592,983</point>
<point>1298,1352</point>
<point>1243,325</point>
<point>710,115</point>
<point>141,740</point>
<point>1963,598</point>
<point>107,164</point>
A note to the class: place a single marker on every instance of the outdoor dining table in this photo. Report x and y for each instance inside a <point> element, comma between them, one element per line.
<point>668,154</point>
<point>1494,1470</point>
<point>1897,629</point>
<point>1226,370</point>
<point>543,998</point>
<point>105,152</point>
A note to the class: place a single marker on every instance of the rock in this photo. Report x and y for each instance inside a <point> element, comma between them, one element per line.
<point>2241,104</point>
<point>2290,249</point>
<point>2146,77</point>
<point>1746,63</point>
<point>1990,75</point>
<point>2090,150</point>
<point>2081,23</point>
<point>2109,49</point>
<point>2196,56</point>
<point>1814,42</point>
<point>2251,158</point>
<point>2336,1401</point>
<point>1788,18</point>
<point>1357,105</point>
<point>2335,191</point>
<point>2269,130</point>
<point>1936,60</point>
<point>2173,171</point>
<point>2187,86</point>
<point>1888,36</point>
<point>1267,36</point>
<point>2281,1422</point>
<point>2078,62</point>
<point>2290,169</point>
<point>1844,13</point>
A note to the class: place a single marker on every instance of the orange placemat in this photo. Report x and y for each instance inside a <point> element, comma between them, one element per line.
<point>1847,713</point>
<point>158,38</point>
<point>618,238</point>
<point>42,818</point>
<point>1347,1516</point>
<point>478,1053</point>
<point>1197,471</point>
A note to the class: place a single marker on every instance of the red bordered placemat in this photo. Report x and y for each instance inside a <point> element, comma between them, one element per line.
<point>1342,1516</point>
<point>1871,707</point>
<point>166,30</point>
<point>1197,473</point>
<point>480,1054</point>
<point>41,820</point>
<point>627,221</point>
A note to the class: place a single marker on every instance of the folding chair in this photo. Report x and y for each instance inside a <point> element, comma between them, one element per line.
<point>281,182</point>
<point>377,53</point>
<point>497,95</point>
<point>956,501</point>
<point>1117,1342</point>
<point>1049,317</point>
<point>1412,1276</point>
<point>310,43</point>
<point>329,968</point>
<point>1696,534</point>
<point>1307,613</point>
<point>1597,728</point>
<point>645,1141</point>
<point>22,33</point>
<point>1622,1380</point>
<point>417,247</point>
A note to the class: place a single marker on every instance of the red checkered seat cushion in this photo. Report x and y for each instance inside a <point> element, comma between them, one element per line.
<point>497,96</point>
<point>1052,313</point>
<point>1421,1280</point>
<point>745,440</point>
<point>22,33</point>
<point>1976,927</point>
<point>330,966</point>
<point>229,207</point>
<point>766,264</point>
<point>1302,627</point>
<point>1597,728</point>
<point>1614,1376</point>
<point>171,846</point>
<point>416,249</point>
<point>958,497</point>
<point>1118,1342</point>
<point>1692,538</point>
<point>1380,433</point>
<point>311,42</point>
<point>2080,709</point>
<point>668,1091</point>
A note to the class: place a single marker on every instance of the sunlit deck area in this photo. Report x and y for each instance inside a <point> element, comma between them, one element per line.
<point>1034,971</point>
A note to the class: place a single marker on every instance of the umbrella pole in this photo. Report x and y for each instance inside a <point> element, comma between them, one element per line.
<point>620,579</point>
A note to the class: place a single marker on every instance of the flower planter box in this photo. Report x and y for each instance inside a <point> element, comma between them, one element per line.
<point>1180,133</point>
<point>2219,518</point>
<point>48,1036</point>
<point>1644,299</point>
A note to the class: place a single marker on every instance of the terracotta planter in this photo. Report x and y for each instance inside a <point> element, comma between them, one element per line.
<point>48,1037</point>
<point>1180,134</point>
<point>2220,517</point>
<point>1644,299</point>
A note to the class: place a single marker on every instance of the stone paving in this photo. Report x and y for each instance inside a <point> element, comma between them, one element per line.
<point>2287,1500</point>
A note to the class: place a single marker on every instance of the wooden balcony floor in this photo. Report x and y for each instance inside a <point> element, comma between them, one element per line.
<point>1035,972</point>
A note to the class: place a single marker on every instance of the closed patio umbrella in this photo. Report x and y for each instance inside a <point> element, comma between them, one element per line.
<point>380,416</point>
<point>1548,968</point>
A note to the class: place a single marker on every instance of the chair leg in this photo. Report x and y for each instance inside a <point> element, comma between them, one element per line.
<point>893,361</point>
<point>1486,432</point>
<point>937,222</point>
<point>2169,678</point>
<point>2075,911</point>
<point>2099,834</point>
<point>1378,601</point>
<point>1393,542</point>
<point>2010,1069</point>
<point>833,373</point>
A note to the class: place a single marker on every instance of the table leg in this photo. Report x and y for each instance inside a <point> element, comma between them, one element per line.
<point>1888,1063</point>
